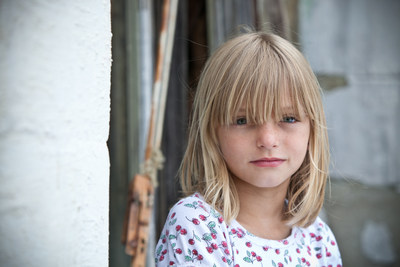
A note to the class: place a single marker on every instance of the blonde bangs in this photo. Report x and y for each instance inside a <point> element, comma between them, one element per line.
<point>262,83</point>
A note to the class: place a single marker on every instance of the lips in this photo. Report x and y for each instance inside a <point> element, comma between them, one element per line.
<point>268,162</point>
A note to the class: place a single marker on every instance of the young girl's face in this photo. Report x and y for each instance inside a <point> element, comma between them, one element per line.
<point>268,154</point>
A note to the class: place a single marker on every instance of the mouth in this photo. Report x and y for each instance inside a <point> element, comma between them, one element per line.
<point>268,162</point>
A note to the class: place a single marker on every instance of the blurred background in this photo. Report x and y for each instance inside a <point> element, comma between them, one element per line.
<point>75,91</point>
<point>353,47</point>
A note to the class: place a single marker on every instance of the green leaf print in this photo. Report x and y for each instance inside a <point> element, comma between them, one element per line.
<point>171,237</point>
<point>317,249</point>
<point>211,224</point>
<point>189,205</point>
<point>273,263</point>
<point>247,259</point>
<point>214,213</point>
<point>159,249</point>
<point>172,222</point>
<point>195,236</point>
<point>207,237</point>
<point>187,258</point>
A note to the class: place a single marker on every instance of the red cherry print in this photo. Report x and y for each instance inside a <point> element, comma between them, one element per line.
<point>280,264</point>
<point>173,215</point>
<point>277,251</point>
<point>223,259</point>
<point>265,248</point>
<point>319,255</point>
<point>178,250</point>
<point>224,244</point>
<point>297,250</point>
<point>258,258</point>
<point>191,241</point>
<point>308,263</point>
<point>183,232</point>
<point>226,251</point>
<point>202,217</point>
<point>178,227</point>
<point>318,238</point>
<point>214,246</point>
<point>285,242</point>
<point>248,244</point>
<point>167,233</point>
<point>333,243</point>
<point>195,252</point>
<point>303,260</point>
<point>162,258</point>
<point>195,221</point>
<point>328,254</point>
<point>237,265</point>
<point>171,263</point>
<point>200,257</point>
<point>220,219</point>
<point>164,252</point>
<point>214,236</point>
<point>312,235</point>
<point>233,231</point>
<point>164,240</point>
<point>209,249</point>
<point>239,235</point>
<point>253,254</point>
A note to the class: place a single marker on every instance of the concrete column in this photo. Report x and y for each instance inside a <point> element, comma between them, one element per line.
<point>55,60</point>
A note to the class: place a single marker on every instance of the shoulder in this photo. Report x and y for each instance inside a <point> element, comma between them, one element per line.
<point>322,242</point>
<point>193,204</point>
<point>319,230</point>
<point>194,233</point>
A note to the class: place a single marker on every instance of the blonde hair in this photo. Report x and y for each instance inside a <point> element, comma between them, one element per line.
<point>255,70</point>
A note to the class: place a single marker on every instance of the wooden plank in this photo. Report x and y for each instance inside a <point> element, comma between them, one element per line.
<point>117,140</point>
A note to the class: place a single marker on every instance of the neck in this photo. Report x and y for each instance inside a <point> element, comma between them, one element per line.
<point>262,209</point>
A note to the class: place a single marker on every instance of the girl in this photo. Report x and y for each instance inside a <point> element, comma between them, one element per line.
<point>256,165</point>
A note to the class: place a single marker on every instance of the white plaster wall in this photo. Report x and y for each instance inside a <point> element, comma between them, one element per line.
<point>55,60</point>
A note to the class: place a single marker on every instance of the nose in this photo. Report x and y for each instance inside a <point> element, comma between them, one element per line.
<point>268,135</point>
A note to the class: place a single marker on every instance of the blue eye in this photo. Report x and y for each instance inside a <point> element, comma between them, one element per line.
<point>289,119</point>
<point>241,121</point>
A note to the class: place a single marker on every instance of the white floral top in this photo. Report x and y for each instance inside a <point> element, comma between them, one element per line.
<point>196,235</point>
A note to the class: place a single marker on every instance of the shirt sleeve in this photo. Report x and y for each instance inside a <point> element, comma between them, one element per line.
<point>193,235</point>
<point>326,246</point>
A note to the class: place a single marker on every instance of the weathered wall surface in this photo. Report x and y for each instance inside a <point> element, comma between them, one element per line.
<point>55,59</point>
<point>354,46</point>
